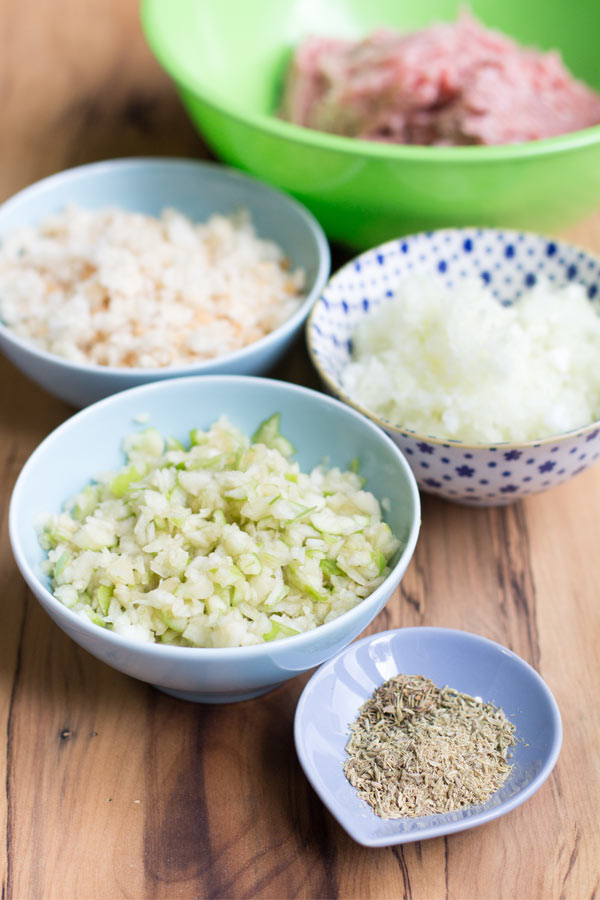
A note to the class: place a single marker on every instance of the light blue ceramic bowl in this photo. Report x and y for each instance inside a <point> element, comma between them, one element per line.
<point>319,427</point>
<point>196,189</point>
<point>471,664</point>
<point>510,263</point>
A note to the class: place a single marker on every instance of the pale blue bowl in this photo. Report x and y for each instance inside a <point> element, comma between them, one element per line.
<point>510,263</point>
<point>147,186</point>
<point>467,662</point>
<point>319,427</point>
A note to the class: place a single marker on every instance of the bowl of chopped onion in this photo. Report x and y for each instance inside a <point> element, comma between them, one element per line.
<point>121,272</point>
<point>476,350</point>
<point>214,535</point>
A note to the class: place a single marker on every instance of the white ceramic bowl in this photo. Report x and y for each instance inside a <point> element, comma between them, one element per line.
<point>196,189</point>
<point>510,263</point>
<point>318,426</point>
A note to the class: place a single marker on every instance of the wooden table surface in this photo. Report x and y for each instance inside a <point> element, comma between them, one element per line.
<point>111,789</point>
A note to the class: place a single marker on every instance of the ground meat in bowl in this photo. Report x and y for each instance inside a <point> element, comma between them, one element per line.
<point>449,84</point>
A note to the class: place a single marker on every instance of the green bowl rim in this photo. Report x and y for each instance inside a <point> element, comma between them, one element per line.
<point>151,12</point>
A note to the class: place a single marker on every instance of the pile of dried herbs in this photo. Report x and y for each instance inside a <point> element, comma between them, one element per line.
<point>416,749</point>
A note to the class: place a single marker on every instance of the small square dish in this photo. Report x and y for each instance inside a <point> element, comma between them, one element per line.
<point>466,662</point>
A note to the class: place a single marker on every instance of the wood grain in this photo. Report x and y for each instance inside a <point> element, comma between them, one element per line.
<point>111,789</point>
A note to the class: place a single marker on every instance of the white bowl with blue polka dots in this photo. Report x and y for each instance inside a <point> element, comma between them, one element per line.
<point>510,263</point>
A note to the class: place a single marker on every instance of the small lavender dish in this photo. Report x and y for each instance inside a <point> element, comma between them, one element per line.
<point>466,662</point>
<point>510,263</point>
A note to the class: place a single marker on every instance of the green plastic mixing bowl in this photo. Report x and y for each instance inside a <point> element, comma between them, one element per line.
<point>228,58</point>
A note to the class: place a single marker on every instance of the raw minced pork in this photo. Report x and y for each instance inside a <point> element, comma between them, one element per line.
<point>224,544</point>
<point>457,83</point>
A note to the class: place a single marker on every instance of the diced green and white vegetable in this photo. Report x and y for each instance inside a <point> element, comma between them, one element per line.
<point>224,544</point>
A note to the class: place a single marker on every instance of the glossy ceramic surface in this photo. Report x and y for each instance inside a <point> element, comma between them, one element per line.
<point>509,263</point>
<point>471,664</point>
<point>318,426</point>
<point>196,189</point>
<point>362,192</point>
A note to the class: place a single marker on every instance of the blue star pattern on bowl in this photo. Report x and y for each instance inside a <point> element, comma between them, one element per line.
<point>509,263</point>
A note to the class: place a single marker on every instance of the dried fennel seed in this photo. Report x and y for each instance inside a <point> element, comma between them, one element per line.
<point>416,749</point>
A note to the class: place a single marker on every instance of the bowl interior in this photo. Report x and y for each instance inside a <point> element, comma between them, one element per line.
<point>466,662</point>
<point>90,442</point>
<point>199,45</point>
<point>197,189</point>
<point>509,263</point>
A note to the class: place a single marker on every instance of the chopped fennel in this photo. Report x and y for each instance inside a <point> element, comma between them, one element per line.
<point>224,544</point>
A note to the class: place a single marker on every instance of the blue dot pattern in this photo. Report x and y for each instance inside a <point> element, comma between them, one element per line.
<point>509,263</point>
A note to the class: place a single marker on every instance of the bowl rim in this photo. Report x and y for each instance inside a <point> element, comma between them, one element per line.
<point>155,23</point>
<point>477,819</point>
<point>447,443</point>
<point>91,170</point>
<point>204,382</point>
